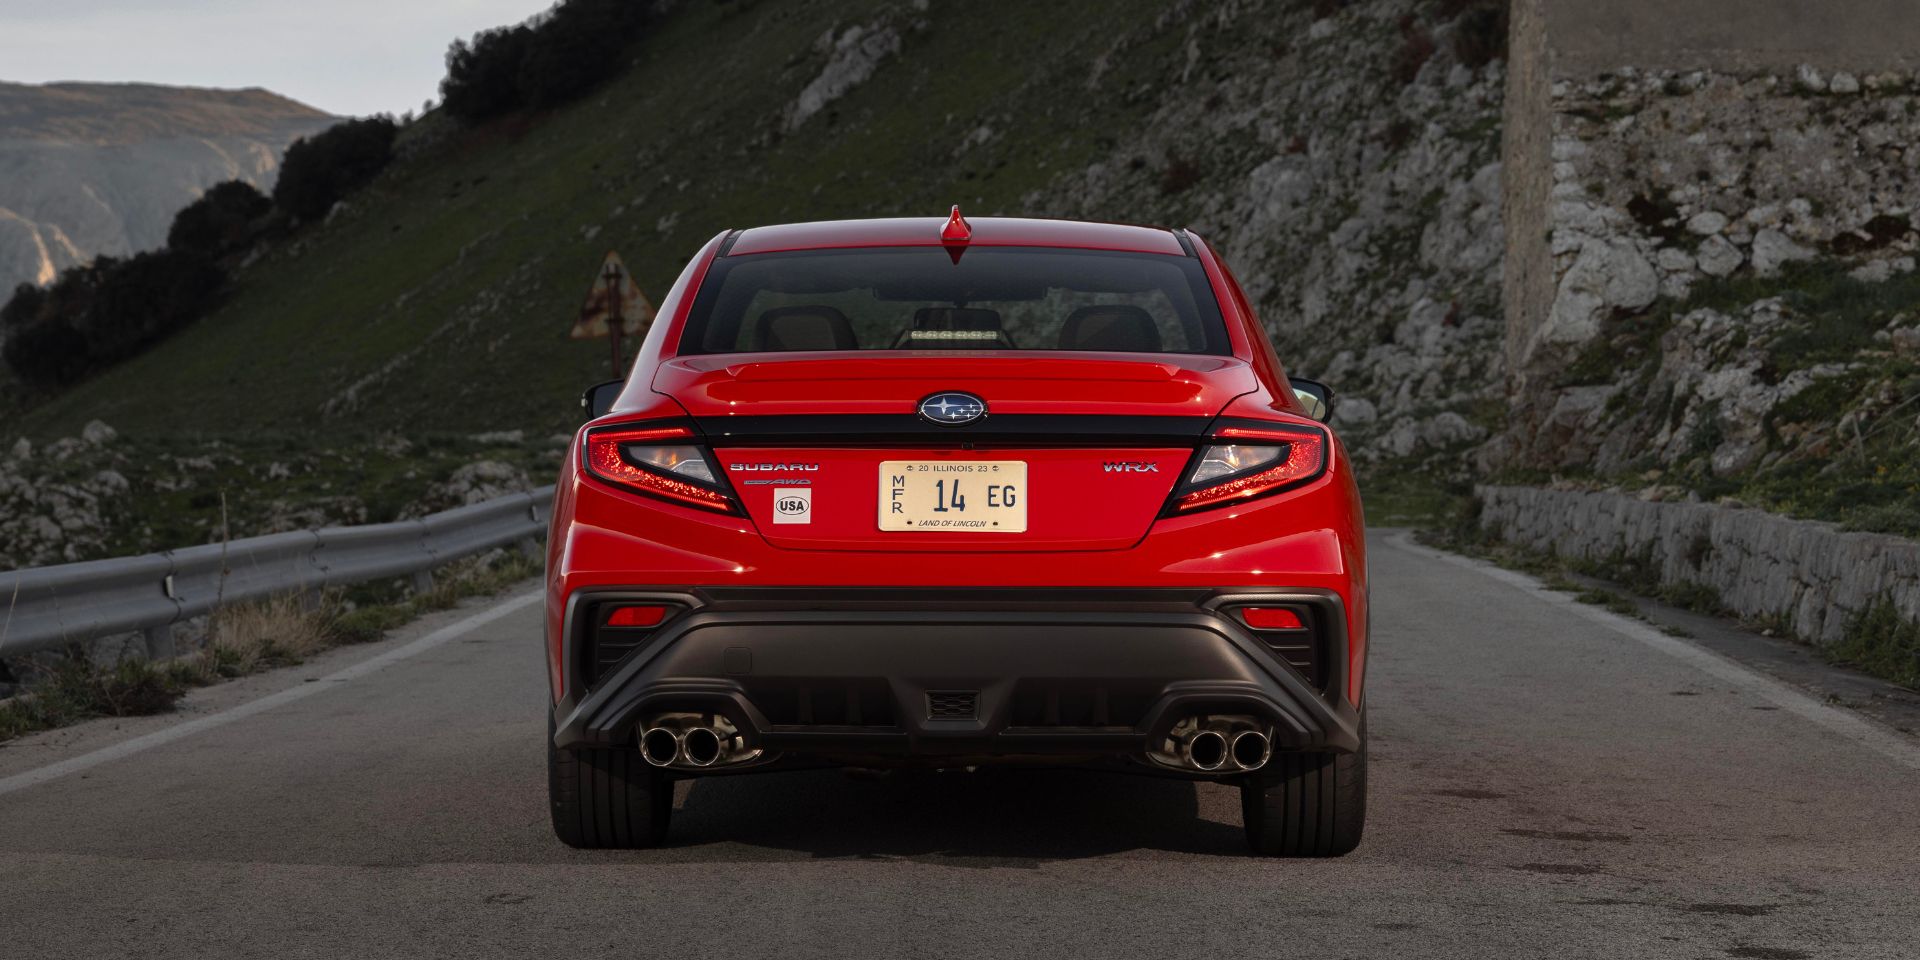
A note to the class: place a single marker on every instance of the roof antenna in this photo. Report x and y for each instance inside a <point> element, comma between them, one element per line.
<point>957,230</point>
<point>955,235</point>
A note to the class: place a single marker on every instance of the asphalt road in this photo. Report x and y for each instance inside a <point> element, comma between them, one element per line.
<point>1548,781</point>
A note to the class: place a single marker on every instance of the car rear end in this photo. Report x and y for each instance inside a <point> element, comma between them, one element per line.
<point>1038,496</point>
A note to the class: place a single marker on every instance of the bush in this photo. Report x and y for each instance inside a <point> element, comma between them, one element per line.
<point>105,312</point>
<point>321,170</point>
<point>483,77</point>
<point>47,354</point>
<point>146,297</point>
<point>558,57</point>
<point>1480,35</point>
<point>220,222</point>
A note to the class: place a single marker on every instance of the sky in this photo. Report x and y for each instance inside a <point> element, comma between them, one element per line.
<point>349,57</point>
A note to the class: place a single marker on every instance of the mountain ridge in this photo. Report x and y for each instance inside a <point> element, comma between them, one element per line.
<point>92,169</point>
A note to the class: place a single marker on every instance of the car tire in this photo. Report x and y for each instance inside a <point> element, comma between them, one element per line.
<point>607,799</point>
<point>1307,804</point>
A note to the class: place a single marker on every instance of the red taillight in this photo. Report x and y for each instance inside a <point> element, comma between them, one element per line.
<point>1272,618</point>
<point>1261,460</point>
<point>635,457</point>
<point>641,616</point>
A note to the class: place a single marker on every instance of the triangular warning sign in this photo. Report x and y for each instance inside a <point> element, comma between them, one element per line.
<point>614,294</point>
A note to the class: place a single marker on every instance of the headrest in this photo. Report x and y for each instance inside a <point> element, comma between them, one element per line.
<point>1116,326</point>
<point>807,327</point>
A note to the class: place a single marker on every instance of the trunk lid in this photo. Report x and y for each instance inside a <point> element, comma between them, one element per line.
<point>827,452</point>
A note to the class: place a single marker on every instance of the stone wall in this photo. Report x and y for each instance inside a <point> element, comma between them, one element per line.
<point>1760,565</point>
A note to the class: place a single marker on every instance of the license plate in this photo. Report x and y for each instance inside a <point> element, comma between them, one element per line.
<point>973,496</point>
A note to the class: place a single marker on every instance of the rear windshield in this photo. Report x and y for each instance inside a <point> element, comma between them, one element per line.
<point>921,298</point>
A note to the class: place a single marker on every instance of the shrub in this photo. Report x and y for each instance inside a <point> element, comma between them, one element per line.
<point>144,298</point>
<point>1416,48</point>
<point>220,222</point>
<point>556,58</point>
<point>483,77</point>
<point>46,354</point>
<point>321,170</point>
<point>105,312</point>
<point>1480,35</point>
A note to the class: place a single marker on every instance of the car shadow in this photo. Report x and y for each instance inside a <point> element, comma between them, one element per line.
<point>988,818</point>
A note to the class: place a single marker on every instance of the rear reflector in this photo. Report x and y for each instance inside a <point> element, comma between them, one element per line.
<point>1272,618</point>
<point>636,616</point>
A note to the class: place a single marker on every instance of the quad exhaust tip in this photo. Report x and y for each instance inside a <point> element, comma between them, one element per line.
<point>660,746</point>
<point>1215,744</point>
<point>1250,750</point>
<point>694,741</point>
<point>1207,750</point>
<point>700,746</point>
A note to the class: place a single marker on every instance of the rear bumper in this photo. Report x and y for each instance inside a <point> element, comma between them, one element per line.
<point>852,674</point>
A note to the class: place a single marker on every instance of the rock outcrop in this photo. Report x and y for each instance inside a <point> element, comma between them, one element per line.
<point>1346,160</point>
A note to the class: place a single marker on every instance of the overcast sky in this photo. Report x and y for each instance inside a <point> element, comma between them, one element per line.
<point>343,56</point>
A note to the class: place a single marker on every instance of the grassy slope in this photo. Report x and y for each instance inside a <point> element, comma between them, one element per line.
<point>446,290</point>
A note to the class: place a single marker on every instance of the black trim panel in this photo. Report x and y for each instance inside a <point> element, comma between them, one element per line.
<point>1064,430</point>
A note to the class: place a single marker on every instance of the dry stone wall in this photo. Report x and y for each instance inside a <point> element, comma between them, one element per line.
<point>1760,565</point>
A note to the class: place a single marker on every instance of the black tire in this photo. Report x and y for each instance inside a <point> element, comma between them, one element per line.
<point>607,799</point>
<point>1307,804</point>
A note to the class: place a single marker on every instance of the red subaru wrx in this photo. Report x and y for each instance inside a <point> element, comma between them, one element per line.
<point>935,492</point>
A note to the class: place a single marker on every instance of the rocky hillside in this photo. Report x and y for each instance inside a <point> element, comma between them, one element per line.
<point>1736,309</point>
<point>1343,153</point>
<point>89,169</point>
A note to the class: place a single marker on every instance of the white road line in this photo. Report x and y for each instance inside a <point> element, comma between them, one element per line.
<point>21,781</point>
<point>1846,723</point>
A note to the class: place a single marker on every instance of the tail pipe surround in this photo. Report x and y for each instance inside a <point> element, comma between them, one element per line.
<point>694,741</point>
<point>1215,744</point>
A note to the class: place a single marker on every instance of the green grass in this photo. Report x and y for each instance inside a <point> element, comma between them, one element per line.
<point>1404,496</point>
<point>1882,643</point>
<point>441,301</point>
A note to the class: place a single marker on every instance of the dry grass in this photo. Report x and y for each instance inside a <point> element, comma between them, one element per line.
<point>247,639</point>
<point>243,639</point>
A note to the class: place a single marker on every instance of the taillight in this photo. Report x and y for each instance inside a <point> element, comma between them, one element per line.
<point>1256,460</point>
<point>659,461</point>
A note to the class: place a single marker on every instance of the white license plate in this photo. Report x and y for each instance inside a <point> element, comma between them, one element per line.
<point>976,496</point>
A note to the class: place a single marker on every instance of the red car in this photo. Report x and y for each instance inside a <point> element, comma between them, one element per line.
<point>935,492</point>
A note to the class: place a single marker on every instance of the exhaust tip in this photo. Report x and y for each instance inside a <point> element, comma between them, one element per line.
<point>1251,748</point>
<point>659,746</point>
<point>1207,750</point>
<point>702,746</point>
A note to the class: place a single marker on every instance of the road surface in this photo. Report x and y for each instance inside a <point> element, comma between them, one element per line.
<point>1548,781</point>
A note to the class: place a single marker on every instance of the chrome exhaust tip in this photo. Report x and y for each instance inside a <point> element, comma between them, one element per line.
<point>659,746</point>
<point>1207,750</point>
<point>1251,749</point>
<point>701,746</point>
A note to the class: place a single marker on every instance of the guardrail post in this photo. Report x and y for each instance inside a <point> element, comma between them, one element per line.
<point>528,546</point>
<point>422,581</point>
<point>159,642</point>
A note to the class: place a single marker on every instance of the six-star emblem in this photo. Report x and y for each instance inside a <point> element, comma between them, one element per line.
<point>953,408</point>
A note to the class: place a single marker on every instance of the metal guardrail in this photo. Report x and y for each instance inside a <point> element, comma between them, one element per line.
<point>45,607</point>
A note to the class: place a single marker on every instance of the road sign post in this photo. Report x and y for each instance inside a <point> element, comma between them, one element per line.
<point>614,308</point>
